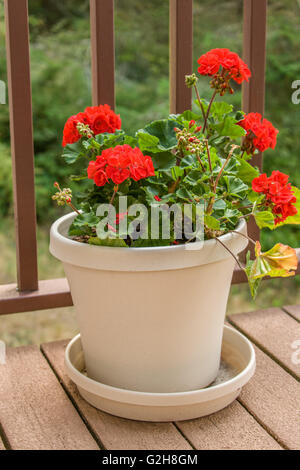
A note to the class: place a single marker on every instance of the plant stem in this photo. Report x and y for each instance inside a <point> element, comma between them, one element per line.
<point>208,155</point>
<point>224,165</point>
<point>114,194</point>
<point>200,103</point>
<point>236,259</point>
<point>199,160</point>
<point>73,207</point>
<point>208,110</point>
<point>215,186</point>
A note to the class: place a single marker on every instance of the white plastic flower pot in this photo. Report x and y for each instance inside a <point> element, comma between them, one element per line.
<point>151,319</point>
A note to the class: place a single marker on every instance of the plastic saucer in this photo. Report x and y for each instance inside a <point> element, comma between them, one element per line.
<point>236,368</point>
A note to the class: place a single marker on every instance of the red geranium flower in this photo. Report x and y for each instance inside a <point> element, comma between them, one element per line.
<point>103,119</point>
<point>120,163</point>
<point>225,63</point>
<point>98,118</point>
<point>71,134</point>
<point>278,192</point>
<point>261,134</point>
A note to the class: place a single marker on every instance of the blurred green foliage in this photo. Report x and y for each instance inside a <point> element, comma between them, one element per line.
<point>61,78</point>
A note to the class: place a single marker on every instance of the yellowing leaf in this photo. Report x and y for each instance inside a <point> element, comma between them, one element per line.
<point>279,261</point>
<point>282,257</point>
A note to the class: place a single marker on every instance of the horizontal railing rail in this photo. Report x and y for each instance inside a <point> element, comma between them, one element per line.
<point>29,294</point>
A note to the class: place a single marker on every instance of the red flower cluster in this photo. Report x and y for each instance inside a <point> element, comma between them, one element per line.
<point>231,64</point>
<point>279,194</point>
<point>120,163</point>
<point>261,134</point>
<point>99,119</point>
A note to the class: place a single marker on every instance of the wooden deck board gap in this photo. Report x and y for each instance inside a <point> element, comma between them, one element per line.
<point>91,431</point>
<point>262,424</point>
<point>289,314</point>
<point>264,350</point>
<point>184,436</point>
<point>4,438</point>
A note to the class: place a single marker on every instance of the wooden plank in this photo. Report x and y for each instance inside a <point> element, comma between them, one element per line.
<point>254,54</point>
<point>293,310</point>
<point>19,90</point>
<point>115,433</point>
<point>181,54</point>
<point>103,51</point>
<point>52,293</point>
<point>55,293</point>
<point>274,332</point>
<point>35,412</point>
<point>272,397</point>
<point>232,428</point>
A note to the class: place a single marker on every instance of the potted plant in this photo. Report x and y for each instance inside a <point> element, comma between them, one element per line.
<point>150,248</point>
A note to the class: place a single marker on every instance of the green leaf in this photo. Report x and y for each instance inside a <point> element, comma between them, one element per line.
<point>229,128</point>
<point>117,242</point>
<point>231,215</point>
<point>236,187</point>
<point>219,206</point>
<point>183,193</point>
<point>83,224</point>
<point>246,172</point>
<point>193,177</point>
<point>129,140</point>
<point>188,161</point>
<point>72,152</point>
<point>164,132</point>
<point>253,283</point>
<point>163,161</point>
<point>264,219</point>
<point>150,194</point>
<point>239,115</point>
<point>147,142</point>
<point>211,222</point>
<point>189,116</point>
<point>220,108</point>
<point>108,140</point>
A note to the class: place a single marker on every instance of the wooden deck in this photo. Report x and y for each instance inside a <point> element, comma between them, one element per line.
<point>41,409</point>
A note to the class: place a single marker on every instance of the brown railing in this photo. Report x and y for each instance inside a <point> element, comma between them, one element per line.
<point>29,293</point>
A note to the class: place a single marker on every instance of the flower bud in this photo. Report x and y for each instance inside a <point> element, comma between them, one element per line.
<point>191,80</point>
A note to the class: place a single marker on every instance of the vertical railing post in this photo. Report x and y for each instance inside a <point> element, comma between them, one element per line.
<point>254,54</point>
<point>181,54</point>
<point>103,51</point>
<point>19,89</point>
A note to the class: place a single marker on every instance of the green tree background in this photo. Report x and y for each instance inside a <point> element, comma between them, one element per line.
<point>61,86</point>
